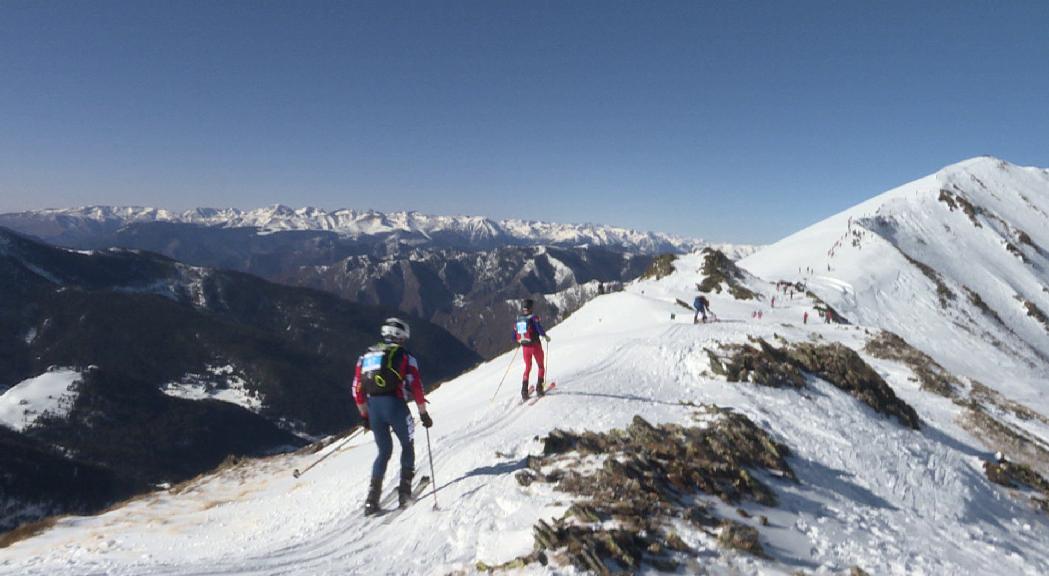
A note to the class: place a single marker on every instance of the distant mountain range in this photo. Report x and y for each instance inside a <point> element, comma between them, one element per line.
<point>78,226</point>
<point>467,274</point>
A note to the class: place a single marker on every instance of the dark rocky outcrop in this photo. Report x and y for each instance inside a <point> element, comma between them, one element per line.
<point>661,266</point>
<point>933,377</point>
<point>718,269</point>
<point>955,201</point>
<point>826,310</point>
<point>843,367</point>
<point>736,536</point>
<point>1019,476</point>
<point>835,363</point>
<point>943,292</point>
<point>765,365</point>
<point>1000,436</point>
<point>1035,312</point>
<point>651,476</point>
<point>976,300</point>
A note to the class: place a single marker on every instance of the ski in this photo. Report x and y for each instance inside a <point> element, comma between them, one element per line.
<point>391,497</point>
<point>531,393</point>
<point>389,515</point>
<point>546,391</point>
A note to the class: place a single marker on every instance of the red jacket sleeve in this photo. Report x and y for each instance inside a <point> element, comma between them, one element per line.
<point>413,381</point>
<point>357,388</point>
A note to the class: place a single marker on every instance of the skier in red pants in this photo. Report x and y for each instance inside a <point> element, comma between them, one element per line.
<point>527,332</point>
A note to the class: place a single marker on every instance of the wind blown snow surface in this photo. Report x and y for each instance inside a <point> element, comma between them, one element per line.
<point>50,393</point>
<point>871,493</point>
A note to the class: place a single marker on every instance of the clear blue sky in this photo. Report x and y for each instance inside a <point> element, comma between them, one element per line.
<point>732,121</point>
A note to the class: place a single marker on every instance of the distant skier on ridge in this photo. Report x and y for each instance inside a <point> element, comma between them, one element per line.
<point>701,304</point>
<point>527,331</point>
<point>384,376</point>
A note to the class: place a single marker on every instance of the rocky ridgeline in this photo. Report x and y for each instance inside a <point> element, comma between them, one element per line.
<point>650,478</point>
<point>826,309</point>
<point>1018,476</point>
<point>836,363</point>
<point>980,407</point>
<point>933,377</point>
<point>661,267</point>
<point>719,269</point>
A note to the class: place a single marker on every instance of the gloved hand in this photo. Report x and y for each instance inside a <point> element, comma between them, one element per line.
<point>366,422</point>
<point>547,338</point>
<point>427,421</point>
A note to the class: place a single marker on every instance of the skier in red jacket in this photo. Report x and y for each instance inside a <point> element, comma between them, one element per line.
<point>527,332</point>
<point>385,376</point>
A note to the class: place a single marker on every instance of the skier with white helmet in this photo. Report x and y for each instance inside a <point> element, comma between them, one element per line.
<point>385,376</point>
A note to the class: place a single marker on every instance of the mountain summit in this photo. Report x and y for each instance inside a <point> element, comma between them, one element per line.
<point>958,261</point>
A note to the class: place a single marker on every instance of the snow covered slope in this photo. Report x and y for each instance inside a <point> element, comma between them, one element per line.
<point>957,263</point>
<point>870,492</point>
<point>50,393</point>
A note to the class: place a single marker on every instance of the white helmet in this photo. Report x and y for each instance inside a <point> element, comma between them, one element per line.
<point>395,330</point>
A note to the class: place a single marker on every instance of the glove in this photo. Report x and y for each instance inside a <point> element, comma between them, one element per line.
<point>427,421</point>
<point>547,338</point>
<point>365,422</point>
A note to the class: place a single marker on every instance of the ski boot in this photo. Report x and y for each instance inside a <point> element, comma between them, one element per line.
<point>524,390</point>
<point>371,504</point>
<point>404,490</point>
<point>539,388</point>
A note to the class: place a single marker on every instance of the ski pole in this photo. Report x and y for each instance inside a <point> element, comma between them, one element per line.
<point>296,473</point>
<point>508,366</point>
<point>429,452</point>
<point>546,359</point>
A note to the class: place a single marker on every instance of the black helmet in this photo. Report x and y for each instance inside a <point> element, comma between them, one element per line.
<point>527,304</point>
<point>395,330</point>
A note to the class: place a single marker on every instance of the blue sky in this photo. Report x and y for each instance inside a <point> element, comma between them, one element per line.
<point>731,121</point>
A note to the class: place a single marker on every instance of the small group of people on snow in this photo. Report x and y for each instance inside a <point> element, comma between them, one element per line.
<point>387,377</point>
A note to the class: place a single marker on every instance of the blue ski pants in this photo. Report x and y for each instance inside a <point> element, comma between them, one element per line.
<point>387,413</point>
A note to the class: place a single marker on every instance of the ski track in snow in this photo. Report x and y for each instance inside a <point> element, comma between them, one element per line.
<point>870,493</point>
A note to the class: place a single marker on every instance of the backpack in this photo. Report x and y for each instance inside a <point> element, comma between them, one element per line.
<point>524,331</point>
<point>378,374</point>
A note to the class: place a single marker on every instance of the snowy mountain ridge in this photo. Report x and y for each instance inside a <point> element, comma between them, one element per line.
<point>914,501</point>
<point>957,262</point>
<point>879,454</point>
<point>409,226</point>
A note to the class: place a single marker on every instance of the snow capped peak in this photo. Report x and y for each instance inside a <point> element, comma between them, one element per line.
<point>965,249</point>
<point>353,223</point>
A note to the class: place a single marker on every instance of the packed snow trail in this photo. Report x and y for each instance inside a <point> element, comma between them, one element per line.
<point>871,493</point>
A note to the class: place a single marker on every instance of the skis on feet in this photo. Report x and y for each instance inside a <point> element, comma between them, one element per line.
<point>547,388</point>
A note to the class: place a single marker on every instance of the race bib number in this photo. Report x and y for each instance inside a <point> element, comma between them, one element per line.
<point>522,328</point>
<point>372,361</point>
